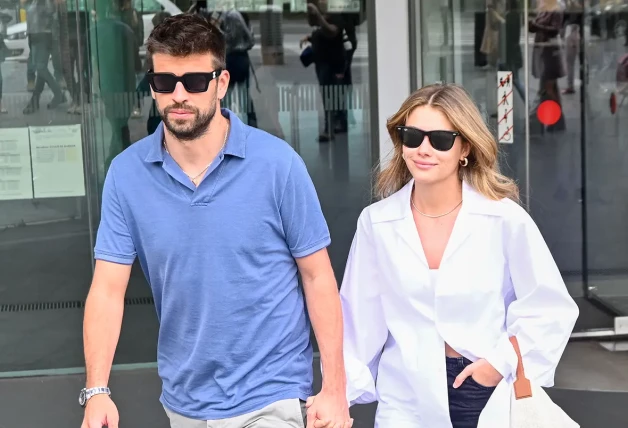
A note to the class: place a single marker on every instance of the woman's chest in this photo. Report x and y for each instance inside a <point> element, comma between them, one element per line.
<point>471,262</point>
<point>434,234</point>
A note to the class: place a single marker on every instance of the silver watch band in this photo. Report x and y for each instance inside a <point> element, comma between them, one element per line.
<point>87,393</point>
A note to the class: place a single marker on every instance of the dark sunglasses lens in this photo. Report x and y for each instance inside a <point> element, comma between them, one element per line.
<point>196,82</point>
<point>410,137</point>
<point>164,83</point>
<point>442,140</point>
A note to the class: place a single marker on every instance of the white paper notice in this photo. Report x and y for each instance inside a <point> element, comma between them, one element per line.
<point>57,154</point>
<point>240,5</point>
<point>16,180</point>
<point>505,107</point>
<point>333,6</point>
<point>343,5</point>
<point>298,6</point>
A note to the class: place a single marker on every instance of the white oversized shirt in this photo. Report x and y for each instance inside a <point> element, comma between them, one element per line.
<point>496,279</point>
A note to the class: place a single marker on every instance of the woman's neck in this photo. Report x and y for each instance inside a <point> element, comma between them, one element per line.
<point>437,198</point>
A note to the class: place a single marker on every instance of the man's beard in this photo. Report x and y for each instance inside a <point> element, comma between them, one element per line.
<point>184,130</point>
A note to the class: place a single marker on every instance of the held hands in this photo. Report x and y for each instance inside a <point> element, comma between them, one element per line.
<point>328,411</point>
<point>100,410</point>
<point>482,372</point>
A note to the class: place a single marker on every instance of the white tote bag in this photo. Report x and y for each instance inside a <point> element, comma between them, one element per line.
<point>530,406</point>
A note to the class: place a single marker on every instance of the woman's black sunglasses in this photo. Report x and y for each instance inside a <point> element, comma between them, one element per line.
<point>165,83</point>
<point>413,137</point>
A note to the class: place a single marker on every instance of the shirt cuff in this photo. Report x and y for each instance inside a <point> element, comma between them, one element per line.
<point>114,258</point>
<point>312,248</point>
<point>504,358</point>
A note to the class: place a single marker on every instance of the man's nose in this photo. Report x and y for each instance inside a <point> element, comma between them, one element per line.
<point>180,94</point>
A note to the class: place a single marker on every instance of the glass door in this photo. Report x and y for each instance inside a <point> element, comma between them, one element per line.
<point>605,157</point>
<point>46,223</point>
<point>437,40</point>
<point>544,73</point>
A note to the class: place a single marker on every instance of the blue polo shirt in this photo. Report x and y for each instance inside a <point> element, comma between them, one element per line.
<point>234,336</point>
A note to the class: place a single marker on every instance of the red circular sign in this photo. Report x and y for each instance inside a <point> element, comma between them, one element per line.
<point>548,112</point>
<point>613,102</point>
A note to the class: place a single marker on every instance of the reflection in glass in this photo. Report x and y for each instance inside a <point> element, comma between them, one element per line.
<point>85,85</point>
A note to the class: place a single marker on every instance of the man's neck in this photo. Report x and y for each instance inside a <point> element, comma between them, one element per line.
<point>196,154</point>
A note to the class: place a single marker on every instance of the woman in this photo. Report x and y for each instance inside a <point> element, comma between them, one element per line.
<point>490,40</point>
<point>547,55</point>
<point>442,271</point>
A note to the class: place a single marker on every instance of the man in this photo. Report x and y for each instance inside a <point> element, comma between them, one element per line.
<point>118,55</point>
<point>239,40</point>
<point>41,19</point>
<point>222,218</point>
<point>330,61</point>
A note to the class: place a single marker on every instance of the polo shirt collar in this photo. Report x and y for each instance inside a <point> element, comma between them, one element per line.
<point>238,133</point>
<point>236,142</point>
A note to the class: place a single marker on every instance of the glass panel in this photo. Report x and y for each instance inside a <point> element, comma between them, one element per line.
<point>606,161</point>
<point>45,190</point>
<point>477,42</point>
<point>53,159</point>
<point>470,42</point>
<point>556,134</point>
<point>436,40</point>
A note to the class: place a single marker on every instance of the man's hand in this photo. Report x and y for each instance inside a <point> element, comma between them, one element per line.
<point>100,410</point>
<point>328,411</point>
<point>311,8</point>
<point>482,372</point>
<point>314,12</point>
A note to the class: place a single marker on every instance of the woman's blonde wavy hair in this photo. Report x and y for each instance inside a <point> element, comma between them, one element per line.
<point>482,171</point>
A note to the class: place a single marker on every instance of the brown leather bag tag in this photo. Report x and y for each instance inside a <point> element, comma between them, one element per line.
<point>523,388</point>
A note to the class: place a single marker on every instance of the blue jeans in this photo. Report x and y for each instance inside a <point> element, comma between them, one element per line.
<point>467,402</point>
<point>41,50</point>
<point>238,65</point>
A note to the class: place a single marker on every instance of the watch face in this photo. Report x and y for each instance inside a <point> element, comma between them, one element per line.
<point>82,398</point>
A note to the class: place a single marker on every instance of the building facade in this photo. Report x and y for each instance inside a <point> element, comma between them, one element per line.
<point>82,98</point>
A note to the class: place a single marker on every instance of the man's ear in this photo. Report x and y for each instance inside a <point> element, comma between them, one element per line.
<point>223,84</point>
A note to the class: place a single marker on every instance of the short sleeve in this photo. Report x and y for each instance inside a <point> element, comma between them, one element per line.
<point>304,225</point>
<point>113,240</point>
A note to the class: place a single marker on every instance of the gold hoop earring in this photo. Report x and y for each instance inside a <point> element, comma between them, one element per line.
<point>464,162</point>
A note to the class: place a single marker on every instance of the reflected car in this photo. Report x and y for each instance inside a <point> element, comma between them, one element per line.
<point>16,38</point>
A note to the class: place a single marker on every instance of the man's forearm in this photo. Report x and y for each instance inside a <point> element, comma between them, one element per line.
<point>323,303</point>
<point>101,331</point>
<point>330,30</point>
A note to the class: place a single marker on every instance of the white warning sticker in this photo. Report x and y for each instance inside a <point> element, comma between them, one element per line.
<point>505,107</point>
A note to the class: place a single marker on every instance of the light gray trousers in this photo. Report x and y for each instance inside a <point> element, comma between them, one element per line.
<point>281,414</point>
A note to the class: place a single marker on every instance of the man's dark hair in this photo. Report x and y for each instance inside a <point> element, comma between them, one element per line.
<point>187,34</point>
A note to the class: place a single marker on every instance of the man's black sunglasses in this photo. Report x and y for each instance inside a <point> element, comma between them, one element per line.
<point>165,83</point>
<point>413,137</point>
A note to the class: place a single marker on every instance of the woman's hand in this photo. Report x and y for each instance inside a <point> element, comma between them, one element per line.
<point>482,372</point>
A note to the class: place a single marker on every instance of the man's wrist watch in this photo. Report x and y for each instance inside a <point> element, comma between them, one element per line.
<point>87,393</point>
